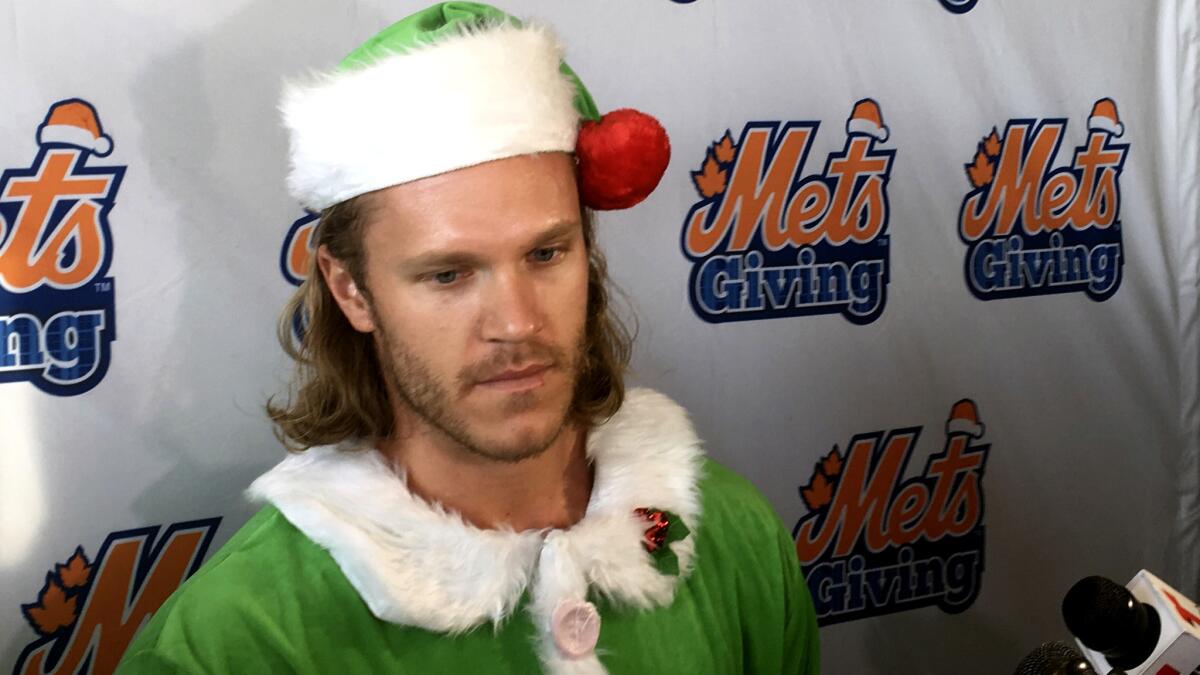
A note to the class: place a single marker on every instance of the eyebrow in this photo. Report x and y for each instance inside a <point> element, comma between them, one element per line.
<point>559,230</point>
<point>439,259</point>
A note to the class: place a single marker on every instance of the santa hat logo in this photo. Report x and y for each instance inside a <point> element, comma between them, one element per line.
<point>1104,118</point>
<point>74,123</point>
<point>866,120</point>
<point>964,419</point>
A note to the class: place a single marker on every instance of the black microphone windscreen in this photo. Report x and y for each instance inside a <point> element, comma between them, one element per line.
<point>1054,658</point>
<point>1106,618</point>
<point>1100,612</point>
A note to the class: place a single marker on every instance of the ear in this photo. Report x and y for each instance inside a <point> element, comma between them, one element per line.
<point>350,299</point>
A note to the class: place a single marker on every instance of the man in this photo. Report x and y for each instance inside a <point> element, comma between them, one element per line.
<point>473,489</point>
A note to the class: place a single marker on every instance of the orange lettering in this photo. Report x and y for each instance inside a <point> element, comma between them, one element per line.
<point>867,508</point>
<point>748,200</point>
<point>1015,185</point>
<point>861,219</point>
<point>906,512</point>
<point>1097,199</point>
<point>24,264</point>
<point>1057,193</point>
<point>953,514</point>
<point>859,504</point>
<point>807,205</point>
<point>110,616</point>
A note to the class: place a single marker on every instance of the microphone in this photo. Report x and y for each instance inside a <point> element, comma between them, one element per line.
<point>1054,658</point>
<point>1145,629</point>
<point>1105,617</point>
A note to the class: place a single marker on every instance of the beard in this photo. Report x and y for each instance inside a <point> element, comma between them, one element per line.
<point>434,400</point>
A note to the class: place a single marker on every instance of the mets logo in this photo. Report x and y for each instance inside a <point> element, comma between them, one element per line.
<point>877,541</point>
<point>295,257</point>
<point>1033,229</point>
<point>298,248</point>
<point>56,302</point>
<point>959,6</point>
<point>89,610</point>
<point>768,241</point>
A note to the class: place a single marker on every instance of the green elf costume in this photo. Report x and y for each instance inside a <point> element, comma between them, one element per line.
<point>678,565</point>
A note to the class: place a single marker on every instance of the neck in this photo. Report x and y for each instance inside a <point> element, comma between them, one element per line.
<point>550,490</point>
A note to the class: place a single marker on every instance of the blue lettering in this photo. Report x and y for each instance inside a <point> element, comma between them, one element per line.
<point>827,582</point>
<point>1105,263</point>
<point>72,343</point>
<point>754,295</point>
<point>832,280</point>
<point>20,342</point>
<point>1005,265</point>
<point>716,282</point>
<point>866,284</point>
<point>742,285</point>
<point>961,580</point>
<point>856,587</point>
<point>780,283</point>
<point>67,349</point>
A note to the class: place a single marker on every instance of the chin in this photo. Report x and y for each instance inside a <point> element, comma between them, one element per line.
<point>515,444</point>
<point>520,427</point>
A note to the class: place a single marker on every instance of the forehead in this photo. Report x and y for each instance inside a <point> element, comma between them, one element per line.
<point>479,207</point>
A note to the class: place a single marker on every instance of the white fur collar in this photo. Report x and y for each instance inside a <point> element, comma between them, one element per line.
<point>417,564</point>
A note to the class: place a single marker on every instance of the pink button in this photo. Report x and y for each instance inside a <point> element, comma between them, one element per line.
<point>576,628</point>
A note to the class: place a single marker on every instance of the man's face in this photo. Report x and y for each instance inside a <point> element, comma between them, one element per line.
<point>478,300</point>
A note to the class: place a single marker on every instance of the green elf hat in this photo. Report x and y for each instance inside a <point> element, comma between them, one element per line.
<point>452,86</point>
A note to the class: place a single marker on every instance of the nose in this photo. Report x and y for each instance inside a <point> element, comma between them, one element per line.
<point>512,311</point>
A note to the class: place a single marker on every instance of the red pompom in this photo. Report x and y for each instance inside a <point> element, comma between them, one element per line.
<point>621,159</point>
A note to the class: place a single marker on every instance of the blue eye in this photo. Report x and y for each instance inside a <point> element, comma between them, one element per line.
<point>545,255</point>
<point>445,278</point>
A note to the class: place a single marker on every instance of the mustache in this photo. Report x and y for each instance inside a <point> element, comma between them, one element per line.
<point>511,358</point>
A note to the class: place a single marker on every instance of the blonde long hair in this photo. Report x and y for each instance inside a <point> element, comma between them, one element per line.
<point>338,392</point>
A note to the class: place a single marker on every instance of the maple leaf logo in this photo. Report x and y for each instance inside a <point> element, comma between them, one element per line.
<point>76,572</point>
<point>831,464</point>
<point>711,179</point>
<point>57,605</point>
<point>982,170</point>
<point>992,145</point>
<point>724,151</point>
<point>818,493</point>
<point>53,610</point>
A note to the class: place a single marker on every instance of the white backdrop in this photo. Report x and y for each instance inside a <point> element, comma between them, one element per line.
<point>1086,456</point>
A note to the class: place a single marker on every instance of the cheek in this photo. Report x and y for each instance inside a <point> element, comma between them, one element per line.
<point>429,330</point>
<point>573,298</point>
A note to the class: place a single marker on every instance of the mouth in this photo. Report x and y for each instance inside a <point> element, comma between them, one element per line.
<point>517,379</point>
